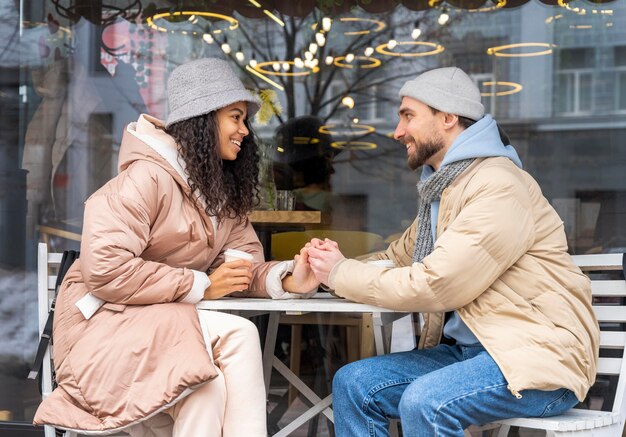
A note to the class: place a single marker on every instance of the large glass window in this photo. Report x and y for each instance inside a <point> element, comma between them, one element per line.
<point>74,73</point>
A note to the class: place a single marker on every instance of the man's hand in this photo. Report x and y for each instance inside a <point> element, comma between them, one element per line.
<point>228,278</point>
<point>302,280</point>
<point>323,256</point>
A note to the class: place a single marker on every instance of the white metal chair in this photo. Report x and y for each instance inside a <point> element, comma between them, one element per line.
<point>612,317</point>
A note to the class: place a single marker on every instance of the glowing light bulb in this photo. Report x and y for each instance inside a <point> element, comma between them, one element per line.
<point>308,56</point>
<point>369,51</point>
<point>276,66</point>
<point>240,56</point>
<point>355,120</point>
<point>329,60</point>
<point>208,38</point>
<point>253,62</point>
<point>313,48</point>
<point>226,48</point>
<point>392,43</point>
<point>286,66</point>
<point>320,39</point>
<point>349,57</point>
<point>326,23</point>
<point>348,101</point>
<point>416,33</point>
<point>298,62</point>
<point>443,18</point>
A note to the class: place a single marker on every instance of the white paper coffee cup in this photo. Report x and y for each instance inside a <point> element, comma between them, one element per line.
<point>234,254</point>
<point>386,263</point>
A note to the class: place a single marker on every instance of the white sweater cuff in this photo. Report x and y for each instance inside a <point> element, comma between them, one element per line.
<point>201,282</point>
<point>89,304</point>
<point>274,284</point>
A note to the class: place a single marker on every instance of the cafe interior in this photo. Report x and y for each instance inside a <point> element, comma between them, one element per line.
<point>74,73</point>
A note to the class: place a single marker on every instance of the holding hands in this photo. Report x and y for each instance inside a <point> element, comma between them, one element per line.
<point>302,280</point>
<point>313,266</point>
<point>323,256</point>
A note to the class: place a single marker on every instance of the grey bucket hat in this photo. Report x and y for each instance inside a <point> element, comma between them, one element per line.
<point>204,85</point>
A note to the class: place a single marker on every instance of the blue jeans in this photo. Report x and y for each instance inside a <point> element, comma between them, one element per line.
<point>434,392</point>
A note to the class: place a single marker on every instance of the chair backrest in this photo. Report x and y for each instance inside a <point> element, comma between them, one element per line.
<point>47,266</point>
<point>352,243</point>
<point>609,304</point>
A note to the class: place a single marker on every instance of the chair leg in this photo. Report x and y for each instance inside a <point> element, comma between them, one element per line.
<point>394,426</point>
<point>294,358</point>
<point>352,343</point>
<point>504,430</point>
<point>367,336</point>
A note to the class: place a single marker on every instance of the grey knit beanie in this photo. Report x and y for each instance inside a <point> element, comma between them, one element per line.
<point>204,85</point>
<point>448,90</point>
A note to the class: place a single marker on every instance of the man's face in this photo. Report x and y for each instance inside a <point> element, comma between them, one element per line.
<point>420,131</point>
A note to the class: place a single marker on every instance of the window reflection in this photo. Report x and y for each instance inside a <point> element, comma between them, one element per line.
<point>72,75</point>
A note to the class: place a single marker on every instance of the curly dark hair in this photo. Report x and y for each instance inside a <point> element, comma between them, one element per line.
<point>230,188</point>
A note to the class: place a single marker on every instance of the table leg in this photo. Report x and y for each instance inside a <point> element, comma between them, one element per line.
<point>268,349</point>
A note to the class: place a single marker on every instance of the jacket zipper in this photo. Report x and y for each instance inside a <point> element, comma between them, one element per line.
<point>514,392</point>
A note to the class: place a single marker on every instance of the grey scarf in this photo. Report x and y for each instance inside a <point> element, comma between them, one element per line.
<point>429,191</point>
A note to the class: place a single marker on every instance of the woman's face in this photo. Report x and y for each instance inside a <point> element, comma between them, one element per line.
<point>232,130</point>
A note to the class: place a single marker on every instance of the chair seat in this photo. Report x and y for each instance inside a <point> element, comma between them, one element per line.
<point>573,420</point>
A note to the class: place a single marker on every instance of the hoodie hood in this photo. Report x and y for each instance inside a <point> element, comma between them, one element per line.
<point>144,140</point>
<point>481,140</point>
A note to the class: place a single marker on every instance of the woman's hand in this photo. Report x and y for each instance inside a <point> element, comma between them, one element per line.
<point>228,278</point>
<point>323,257</point>
<point>302,280</point>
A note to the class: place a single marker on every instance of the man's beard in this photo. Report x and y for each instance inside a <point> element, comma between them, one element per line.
<point>423,151</point>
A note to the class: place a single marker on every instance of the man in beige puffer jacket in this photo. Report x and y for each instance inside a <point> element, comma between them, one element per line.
<point>509,329</point>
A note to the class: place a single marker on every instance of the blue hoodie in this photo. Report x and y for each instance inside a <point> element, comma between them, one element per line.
<point>481,140</point>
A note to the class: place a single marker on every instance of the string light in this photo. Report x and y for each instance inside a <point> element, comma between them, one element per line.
<point>348,101</point>
<point>416,30</point>
<point>329,60</point>
<point>326,23</point>
<point>444,17</point>
<point>349,57</point>
<point>320,39</point>
<point>369,51</point>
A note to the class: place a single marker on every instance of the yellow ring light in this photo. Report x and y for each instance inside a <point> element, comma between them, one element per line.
<point>437,48</point>
<point>259,67</point>
<point>498,50</point>
<point>353,145</point>
<point>233,22</point>
<point>373,62</point>
<point>515,88</point>
<point>364,129</point>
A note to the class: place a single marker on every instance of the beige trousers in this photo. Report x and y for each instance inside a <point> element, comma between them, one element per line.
<point>232,404</point>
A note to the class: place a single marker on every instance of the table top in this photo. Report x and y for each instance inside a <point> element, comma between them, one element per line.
<point>321,302</point>
<point>287,217</point>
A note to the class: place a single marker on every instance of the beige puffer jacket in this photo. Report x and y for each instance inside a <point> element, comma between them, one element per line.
<point>500,260</point>
<point>145,248</point>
